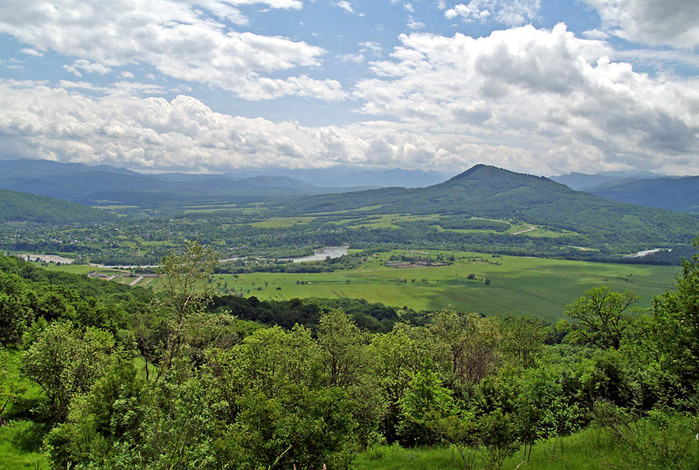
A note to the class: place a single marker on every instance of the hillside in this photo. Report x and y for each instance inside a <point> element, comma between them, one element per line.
<point>677,194</point>
<point>24,207</point>
<point>489,192</point>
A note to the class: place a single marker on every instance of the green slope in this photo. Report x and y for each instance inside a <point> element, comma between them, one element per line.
<point>24,207</point>
<point>486,191</point>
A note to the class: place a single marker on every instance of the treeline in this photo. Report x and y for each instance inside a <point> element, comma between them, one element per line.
<point>177,381</point>
<point>241,266</point>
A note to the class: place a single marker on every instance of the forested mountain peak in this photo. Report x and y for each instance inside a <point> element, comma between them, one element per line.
<point>498,178</point>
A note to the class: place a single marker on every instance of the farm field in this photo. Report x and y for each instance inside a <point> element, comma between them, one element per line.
<point>517,285</point>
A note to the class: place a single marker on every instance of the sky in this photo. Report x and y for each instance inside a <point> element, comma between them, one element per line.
<point>537,86</point>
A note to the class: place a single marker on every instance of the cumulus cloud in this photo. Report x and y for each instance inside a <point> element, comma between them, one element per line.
<point>119,128</point>
<point>178,39</point>
<point>541,91</point>
<point>508,12</point>
<point>657,22</point>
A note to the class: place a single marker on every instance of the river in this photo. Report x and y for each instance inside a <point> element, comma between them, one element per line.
<point>320,255</point>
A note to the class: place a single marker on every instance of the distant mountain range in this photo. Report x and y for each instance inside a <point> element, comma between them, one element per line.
<point>105,185</point>
<point>490,192</point>
<point>676,193</point>
<point>348,177</point>
<point>582,181</point>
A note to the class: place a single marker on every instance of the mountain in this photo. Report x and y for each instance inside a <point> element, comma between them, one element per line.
<point>352,177</point>
<point>581,181</point>
<point>490,192</point>
<point>672,193</point>
<point>96,185</point>
<point>24,207</point>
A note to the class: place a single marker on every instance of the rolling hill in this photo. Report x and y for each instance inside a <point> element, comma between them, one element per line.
<point>24,207</point>
<point>490,192</point>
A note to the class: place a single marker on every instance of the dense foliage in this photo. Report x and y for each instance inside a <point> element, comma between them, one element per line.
<point>131,380</point>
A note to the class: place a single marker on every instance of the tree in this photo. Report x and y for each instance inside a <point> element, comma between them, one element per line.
<point>187,277</point>
<point>398,355</point>
<point>425,403</point>
<point>15,314</point>
<point>523,339</point>
<point>466,345</point>
<point>66,361</point>
<point>676,324</point>
<point>602,316</point>
<point>187,291</point>
<point>344,345</point>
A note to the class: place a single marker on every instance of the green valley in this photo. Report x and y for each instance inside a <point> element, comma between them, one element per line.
<point>515,285</point>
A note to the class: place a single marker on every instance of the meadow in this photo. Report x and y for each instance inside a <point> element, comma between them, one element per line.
<point>515,285</point>
<point>21,437</point>
<point>594,448</point>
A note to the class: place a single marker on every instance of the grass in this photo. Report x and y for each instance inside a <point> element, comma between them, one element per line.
<point>21,439</point>
<point>589,449</point>
<point>20,446</point>
<point>518,285</point>
<point>282,222</point>
<point>390,220</point>
<point>77,268</point>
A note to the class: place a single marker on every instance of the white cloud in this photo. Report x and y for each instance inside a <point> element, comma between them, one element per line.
<point>611,118</point>
<point>81,65</point>
<point>657,22</point>
<point>508,12</point>
<point>32,52</point>
<point>370,46</point>
<point>121,129</point>
<point>179,40</point>
<point>415,25</point>
<point>540,92</point>
<point>345,6</point>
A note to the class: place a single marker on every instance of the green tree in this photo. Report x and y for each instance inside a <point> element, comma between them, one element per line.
<point>398,357</point>
<point>187,291</point>
<point>186,278</point>
<point>15,313</point>
<point>676,324</point>
<point>65,362</point>
<point>602,316</point>
<point>523,340</point>
<point>344,348</point>
<point>465,346</point>
<point>425,402</point>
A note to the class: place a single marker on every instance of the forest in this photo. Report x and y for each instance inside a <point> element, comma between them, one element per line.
<point>100,375</point>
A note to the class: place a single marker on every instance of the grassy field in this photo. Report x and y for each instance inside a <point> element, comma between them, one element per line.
<point>21,439</point>
<point>590,449</point>
<point>517,285</point>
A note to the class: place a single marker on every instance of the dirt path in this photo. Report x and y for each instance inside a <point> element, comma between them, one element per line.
<point>136,281</point>
<point>525,230</point>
